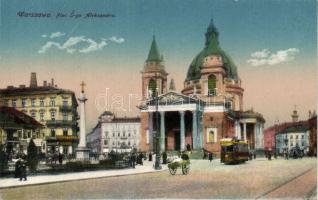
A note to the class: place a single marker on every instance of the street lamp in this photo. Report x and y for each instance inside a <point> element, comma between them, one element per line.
<point>157,146</point>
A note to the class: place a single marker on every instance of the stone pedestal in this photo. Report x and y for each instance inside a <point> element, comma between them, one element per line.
<point>82,153</point>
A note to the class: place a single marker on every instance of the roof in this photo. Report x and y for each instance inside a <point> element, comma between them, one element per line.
<point>154,52</point>
<point>212,47</point>
<point>15,91</point>
<point>11,118</point>
<point>295,128</point>
<point>125,119</point>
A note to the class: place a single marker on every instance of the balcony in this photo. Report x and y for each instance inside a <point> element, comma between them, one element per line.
<point>67,138</point>
<point>65,108</point>
<point>57,123</point>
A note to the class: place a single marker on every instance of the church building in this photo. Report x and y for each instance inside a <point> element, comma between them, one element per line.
<point>209,107</point>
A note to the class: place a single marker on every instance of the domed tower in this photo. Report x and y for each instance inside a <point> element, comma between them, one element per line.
<point>213,75</point>
<point>154,75</point>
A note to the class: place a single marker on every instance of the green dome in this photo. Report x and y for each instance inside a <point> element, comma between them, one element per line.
<point>211,47</point>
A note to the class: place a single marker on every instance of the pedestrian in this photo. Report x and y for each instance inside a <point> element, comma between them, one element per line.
<point>23,170</point>
<point>150,156</point>
<point>140,159</point>
<point>254,155</point>
<point>269,156</point>
<point>210,155</point>
<point>60,158</point>
<point>133,160</point>
<point>164,158</point>
<point>17,168</point>
<point>188,147</point>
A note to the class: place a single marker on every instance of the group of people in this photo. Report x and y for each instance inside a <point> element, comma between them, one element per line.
<point>136,159</point>
<point>21,169</point>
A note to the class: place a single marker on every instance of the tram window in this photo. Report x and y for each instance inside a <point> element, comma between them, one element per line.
<point>227,148</point>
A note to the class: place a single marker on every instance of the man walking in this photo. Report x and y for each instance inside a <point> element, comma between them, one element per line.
<point>210,156</point>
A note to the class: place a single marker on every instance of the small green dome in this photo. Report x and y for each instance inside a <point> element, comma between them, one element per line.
<point>212,47</point>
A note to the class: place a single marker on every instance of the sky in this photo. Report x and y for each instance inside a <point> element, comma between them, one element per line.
<point>273,44</point>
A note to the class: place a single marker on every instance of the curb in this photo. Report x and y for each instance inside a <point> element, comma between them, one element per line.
<point>64,181</point>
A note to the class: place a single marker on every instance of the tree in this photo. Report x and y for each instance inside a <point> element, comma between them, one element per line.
<point>3,160</point>
<point>32,157</point>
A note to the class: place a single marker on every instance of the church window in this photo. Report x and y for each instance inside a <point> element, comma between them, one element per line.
<point>211,85</point>
<point>211,135</point>
<point>152,87</point>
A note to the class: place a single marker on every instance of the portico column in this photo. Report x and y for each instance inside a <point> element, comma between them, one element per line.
<point>244,131</point>
<point>195,130</point>
<point>162,131</point>
<point>261,135</point>
<point>150,129</point>
<point>237,129</point>
<point>182,131</point>
<point>256,136</point>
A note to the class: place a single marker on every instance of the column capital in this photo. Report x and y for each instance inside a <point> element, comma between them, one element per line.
<point>162,113</point>
<point>181,112</point>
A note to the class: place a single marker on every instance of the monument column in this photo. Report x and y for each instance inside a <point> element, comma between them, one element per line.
<point>162,132</point>
<point>182,131</point>
<point>82,153</point>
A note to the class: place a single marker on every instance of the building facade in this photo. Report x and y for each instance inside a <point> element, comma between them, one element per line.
<point>291,137</point>
<point>16,131</point>
<point>53,107</point>
<point>114,134</point>
<point>209,107</point>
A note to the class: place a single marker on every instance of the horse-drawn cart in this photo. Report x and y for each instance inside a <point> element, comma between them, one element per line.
<point>183,163</point>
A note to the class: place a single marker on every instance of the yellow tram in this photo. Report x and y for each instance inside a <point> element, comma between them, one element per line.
<point>233,151</point>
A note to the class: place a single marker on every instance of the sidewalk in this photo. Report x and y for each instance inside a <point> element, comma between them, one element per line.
<point>46,179</point>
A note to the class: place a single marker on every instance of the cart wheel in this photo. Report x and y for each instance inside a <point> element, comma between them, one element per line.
<point>185,169</point>
<point>173,171</point>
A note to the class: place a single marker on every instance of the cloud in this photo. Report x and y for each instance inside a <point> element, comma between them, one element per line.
<point>266,57</point>
<point>56,35</point>
<point>75,44</point>
<point>117,40</point>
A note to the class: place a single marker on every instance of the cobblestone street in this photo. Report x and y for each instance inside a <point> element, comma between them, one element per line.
<point>258,178</point>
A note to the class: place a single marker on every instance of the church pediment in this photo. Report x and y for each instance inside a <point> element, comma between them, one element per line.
<point>173,98</point>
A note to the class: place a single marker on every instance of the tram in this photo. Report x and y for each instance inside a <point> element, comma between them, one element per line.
<point>233,151</point>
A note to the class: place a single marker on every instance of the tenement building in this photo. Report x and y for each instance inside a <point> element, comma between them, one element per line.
<point>209,107</point>
<point>53,107</point>
<point>118,134</point>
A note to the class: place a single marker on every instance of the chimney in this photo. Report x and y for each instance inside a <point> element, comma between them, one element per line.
<point>52,82</point>
<point>45,83</point>
<point>33,82</point>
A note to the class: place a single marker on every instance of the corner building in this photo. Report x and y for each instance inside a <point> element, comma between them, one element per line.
<point>209,107</point>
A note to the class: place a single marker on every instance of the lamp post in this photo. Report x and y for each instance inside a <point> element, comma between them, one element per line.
<point>157,136</point>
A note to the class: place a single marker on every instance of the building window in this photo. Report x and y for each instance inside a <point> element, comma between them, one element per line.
<point>152,87</point>
<point>64,116</point>
<point>14,103</point>
<point>42,102</point>
<point>106,133</point>
<point>65,103</point>
<point>302,137</point>
<point>118,134</point>
<point>23,103</point>
<point>42,116</point>
<point>105,142</point>
<point>52,115</point>
<point>33,102</point>
<point>129,133</point>
<point>52,102</point>
<point>211,135</point>
<point>291,137</point>
<point>53,132</point>
<point>291,144</point>
<point>118,143</point>
<point>303,143</point>
<point>128,143</point>
<point>296,136</point>
<point>211,85</point>
<point>124,133</point>
<point>113,133</point>
<point>113,143</point>
<point>65,131</point>
<point>33,114</point>
<point>6,102</point>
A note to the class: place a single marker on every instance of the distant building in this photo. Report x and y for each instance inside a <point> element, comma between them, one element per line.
<point>113,133</point>
<point>312,135</point>
<point>16,131</point>
<point>54,107</point>
<point>289,134</point>
<point>292,136</point>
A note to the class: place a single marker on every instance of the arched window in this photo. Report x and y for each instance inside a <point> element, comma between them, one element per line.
<point>211,85</point>
<point>152,86</point>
